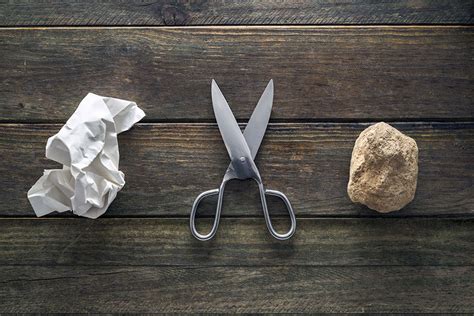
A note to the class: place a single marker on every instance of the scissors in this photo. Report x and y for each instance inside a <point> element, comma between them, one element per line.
<point>242,149</point>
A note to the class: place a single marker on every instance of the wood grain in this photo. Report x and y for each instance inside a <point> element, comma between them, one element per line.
<point>214,12</point>
<point>141,257</point>
<point>167,165</point>
<point>239,242</point>
<point>143,289</point>
<point>320,73</point>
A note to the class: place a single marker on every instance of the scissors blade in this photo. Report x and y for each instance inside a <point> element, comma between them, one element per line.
<point>257,125</point>
<point>230,131</point>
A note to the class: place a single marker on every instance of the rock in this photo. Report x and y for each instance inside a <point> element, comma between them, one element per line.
<point>384,169</point>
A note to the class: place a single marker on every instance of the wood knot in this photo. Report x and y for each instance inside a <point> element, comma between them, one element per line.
<point>173,15</point>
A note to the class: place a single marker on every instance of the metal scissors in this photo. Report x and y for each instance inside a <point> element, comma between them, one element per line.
<point>242,149</point>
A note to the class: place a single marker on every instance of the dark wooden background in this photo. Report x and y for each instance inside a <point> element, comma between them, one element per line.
<point>338,66</point>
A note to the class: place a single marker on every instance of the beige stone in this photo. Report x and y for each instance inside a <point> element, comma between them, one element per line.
<point>384,169</point>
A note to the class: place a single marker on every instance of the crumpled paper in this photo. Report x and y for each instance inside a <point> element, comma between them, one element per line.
<point>88,149</point>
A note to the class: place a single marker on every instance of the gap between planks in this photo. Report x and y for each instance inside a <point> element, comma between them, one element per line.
<point>245,27</point>
<point>421,120</point>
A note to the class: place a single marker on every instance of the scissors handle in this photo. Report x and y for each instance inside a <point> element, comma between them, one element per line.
<point>266,214</point>
<point>192,219</point>
<point>263,199</point>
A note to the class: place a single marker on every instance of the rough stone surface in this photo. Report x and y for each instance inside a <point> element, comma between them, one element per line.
<point>384,169</point>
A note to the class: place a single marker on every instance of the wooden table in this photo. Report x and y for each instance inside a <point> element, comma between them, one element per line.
<point>338,66</point>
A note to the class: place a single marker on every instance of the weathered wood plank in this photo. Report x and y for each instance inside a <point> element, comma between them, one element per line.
<point>239,242</point>
<point>142,289</point>
<point>212,12</point>
<point>320,73</point>
<point>167,165</point>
